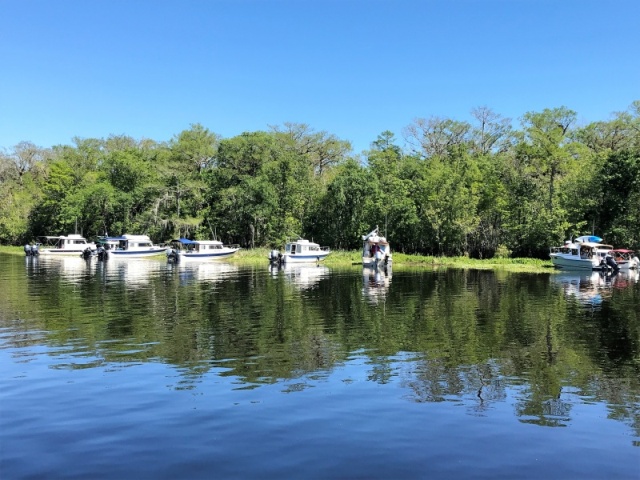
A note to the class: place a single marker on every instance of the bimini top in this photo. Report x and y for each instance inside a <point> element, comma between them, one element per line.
<point>186,241</point>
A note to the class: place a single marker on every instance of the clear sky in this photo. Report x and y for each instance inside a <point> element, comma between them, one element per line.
<point>353,68</point>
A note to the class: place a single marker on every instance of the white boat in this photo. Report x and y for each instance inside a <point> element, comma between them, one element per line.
<point>376,250</point>
<point>626,259</point>
<point>184,249</point>
<point>133,246</point>
<point>72,244</point>
<point>582,254</point>
<point>300,251</point>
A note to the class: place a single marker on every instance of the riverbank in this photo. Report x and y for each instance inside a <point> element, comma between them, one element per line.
<point>340,258</point>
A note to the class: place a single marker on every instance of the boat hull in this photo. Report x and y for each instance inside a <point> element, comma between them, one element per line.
<point>574,263</point>
<point>136,253</point>
<point>207,256</point>
<point>61,252</point>
<point>304,258</point>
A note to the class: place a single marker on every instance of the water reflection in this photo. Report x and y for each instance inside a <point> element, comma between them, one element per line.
<point>591,288</point>
<point>302,276</point>
<point>478,343</point>
<point>70,269</point>
<point>190,272</point>
<point>375,283</point>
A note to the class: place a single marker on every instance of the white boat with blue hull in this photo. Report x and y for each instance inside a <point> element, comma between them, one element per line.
<point>300,251</point>
<point>584,253</point>
<point>199,250</point>
<point>133,246</point>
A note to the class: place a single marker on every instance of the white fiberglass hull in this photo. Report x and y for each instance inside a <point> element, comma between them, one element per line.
<point>304,257</point>
<point>62,252</point>
<point>148,252</point>
<point>371,262</point>
<point>574,263</point>
<point>208,256</point>
<point>627,265</point>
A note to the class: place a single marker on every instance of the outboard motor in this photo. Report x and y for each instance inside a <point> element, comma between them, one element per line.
<point>31,250</point>
<point>103,254</point>
<point>611,263</point>
<point>173,255</point>
<point>86,253</point>
<point>275,257</point>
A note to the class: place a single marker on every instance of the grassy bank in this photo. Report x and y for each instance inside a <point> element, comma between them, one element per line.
<point>341,258</point>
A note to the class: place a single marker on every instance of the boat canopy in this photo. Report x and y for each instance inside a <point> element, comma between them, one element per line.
<point>185,241</point>
<point>622,250</point>
<point>588,239</point>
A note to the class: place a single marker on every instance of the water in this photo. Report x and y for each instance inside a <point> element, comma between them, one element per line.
<point>143,369</point>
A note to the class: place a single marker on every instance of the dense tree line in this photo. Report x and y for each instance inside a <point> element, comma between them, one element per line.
<point>481,189</point>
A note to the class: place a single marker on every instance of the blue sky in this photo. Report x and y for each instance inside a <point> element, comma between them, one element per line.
<point>353,68</point>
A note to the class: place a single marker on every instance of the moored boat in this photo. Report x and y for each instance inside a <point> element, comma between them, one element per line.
<point>376,250</point>
<point>132,246</point>
<point>185,249</point>
<point>300,251</point>
<point>584,253</point>
<point>72,244</point>
<point>625,259</point>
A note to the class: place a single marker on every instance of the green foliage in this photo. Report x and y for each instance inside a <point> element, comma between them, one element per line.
<point>475,190</point>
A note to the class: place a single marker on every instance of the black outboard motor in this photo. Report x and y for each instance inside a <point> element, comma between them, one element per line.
<point>103,254</point>
<point>611,263</point>
<point>86,253</point>
<point>31,250</point>
<point>173,255</point>
<point>276,258</point>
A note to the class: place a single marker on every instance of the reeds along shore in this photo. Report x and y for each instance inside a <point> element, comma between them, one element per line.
<point>343,258</point>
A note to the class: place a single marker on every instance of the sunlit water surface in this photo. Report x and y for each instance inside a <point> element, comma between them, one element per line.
<point>143,369</point>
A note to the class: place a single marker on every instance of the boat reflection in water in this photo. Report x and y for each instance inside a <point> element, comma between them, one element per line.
<point>301,275</point>
<point>71,269</point>
<point>134,272</point>
<point>375,283</point>
<point>203,271</point>
<point>591,288</point>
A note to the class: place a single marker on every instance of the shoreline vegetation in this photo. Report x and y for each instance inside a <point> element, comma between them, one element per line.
<point>456,191</point>
<point>342,259</point>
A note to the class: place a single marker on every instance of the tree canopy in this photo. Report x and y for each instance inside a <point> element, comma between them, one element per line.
<point>481,189</point>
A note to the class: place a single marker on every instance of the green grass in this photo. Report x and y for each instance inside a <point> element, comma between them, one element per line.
<point>342,258</point>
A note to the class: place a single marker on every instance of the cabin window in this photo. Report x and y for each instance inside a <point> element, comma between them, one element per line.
<point>574,251</point>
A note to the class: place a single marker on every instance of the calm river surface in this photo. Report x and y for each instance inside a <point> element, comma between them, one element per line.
<point>143,369</point>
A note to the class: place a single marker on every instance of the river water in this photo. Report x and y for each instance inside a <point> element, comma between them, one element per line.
<point>143,369</point>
